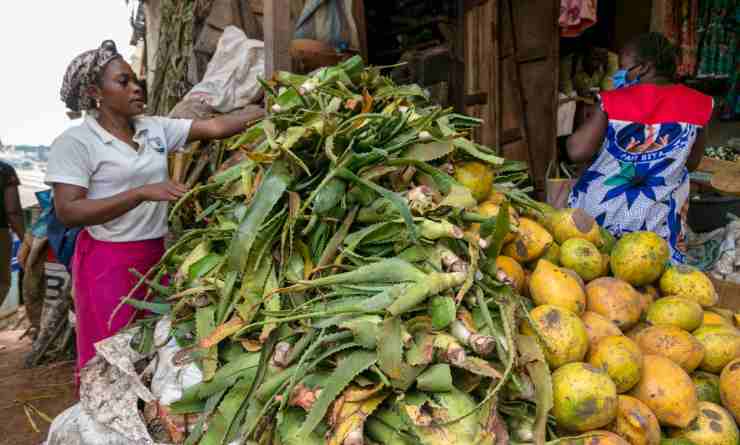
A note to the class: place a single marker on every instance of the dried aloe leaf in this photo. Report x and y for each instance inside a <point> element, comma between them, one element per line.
<point>533,357</point>
<point>429,417</point>
<point>349,368</point>
<point>350,411</point>
<point>205,325</point>
<point>390,348</point>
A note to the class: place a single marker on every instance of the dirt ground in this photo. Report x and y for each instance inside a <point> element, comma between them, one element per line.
<point>50,389</point>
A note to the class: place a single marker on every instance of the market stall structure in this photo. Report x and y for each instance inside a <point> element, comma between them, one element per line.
<point>503,68</point>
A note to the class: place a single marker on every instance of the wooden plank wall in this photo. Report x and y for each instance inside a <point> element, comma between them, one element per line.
<point>481,47</point>
<point>511,79</point>
<point>537,45</point>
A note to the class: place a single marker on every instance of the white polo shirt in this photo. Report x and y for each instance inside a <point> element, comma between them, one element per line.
<point>89,156</point>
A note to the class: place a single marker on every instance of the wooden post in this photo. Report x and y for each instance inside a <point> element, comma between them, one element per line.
<point>278,35</point>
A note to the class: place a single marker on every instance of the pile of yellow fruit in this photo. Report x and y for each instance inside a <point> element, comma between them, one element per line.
<point>639,353</point>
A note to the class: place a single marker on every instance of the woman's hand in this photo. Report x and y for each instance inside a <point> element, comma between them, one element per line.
<point>162,191</point>
<point>74,209</point>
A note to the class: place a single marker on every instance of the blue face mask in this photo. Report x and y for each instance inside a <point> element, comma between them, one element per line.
<point>621,79</point>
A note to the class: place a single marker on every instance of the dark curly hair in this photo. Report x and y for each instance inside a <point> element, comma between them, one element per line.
<point>655,48</point>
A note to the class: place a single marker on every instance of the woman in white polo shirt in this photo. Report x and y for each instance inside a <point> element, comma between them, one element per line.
<point>110,176</point>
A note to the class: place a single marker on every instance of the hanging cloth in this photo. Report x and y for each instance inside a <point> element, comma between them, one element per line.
<point>681,28</point>
<point>330,21</point>
<point>719,38</point>
<point>576,16</point>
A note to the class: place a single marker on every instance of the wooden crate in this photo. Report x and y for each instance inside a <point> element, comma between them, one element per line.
<point>729,294</point>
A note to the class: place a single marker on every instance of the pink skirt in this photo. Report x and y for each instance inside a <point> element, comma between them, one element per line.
<point>102,278</point>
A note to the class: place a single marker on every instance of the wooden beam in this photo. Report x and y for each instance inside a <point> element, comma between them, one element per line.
<point>278,35</point>
<point>457,75</point>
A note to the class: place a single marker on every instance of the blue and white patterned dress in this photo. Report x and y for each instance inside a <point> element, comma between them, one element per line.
<point>639,180</point>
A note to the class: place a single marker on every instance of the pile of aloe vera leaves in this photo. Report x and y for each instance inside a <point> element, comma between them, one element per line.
<point>325,280</point>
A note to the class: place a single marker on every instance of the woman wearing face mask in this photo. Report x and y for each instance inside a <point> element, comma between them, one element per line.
<point>110,176</point>
<point>644,138</point>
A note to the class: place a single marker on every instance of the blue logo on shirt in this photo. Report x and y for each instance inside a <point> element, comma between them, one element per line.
<point>156,143</point>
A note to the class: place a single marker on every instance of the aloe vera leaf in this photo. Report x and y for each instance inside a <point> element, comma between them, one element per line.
<point>300,346</point>
<point>459,197</point>
<point>200,426</point>
<point>245,366</point>
<point>377,302</point>
<point>291,78</point>
<point>391,270</point>
<point>354,239</point>
<point>221,332</point>
<point>226,301</point>
<point>421,351</point>
<point>365,329</point>
<point>350,367</point>
<point>271,303</point>
<point>250,136</point>
<point>400,204</point>
<point>270,191</point>
<point>429,151</point>
<point>397,91</point>
<point>250,403</point>
<point>473,150</point>
<point>432,284</point>
<point>219,422</point>
<point>453,404</point>
<point>270,386</point>
<point>508,311</point>
<point>329,196</point>
<point>444,181</point>
<point>200,251</point>
<point>472,270</point>
<point>381,432</point>
<point>336,240</point>
<point>192,192</point>
<point>153,307</point>
<point>434,230</point>
<point>289,139</point>
<point>205,324</point>
<point>351,409</point>
<point>390,348</point>
<point>436,378</point>
<point>252,291</point>
<point>289,426</point>
<point>479,366</point>
<point>531,354</point>
<point>380,210</point>
<point>388,426</point>
<point>442,311</point>
<point>498,228</point>
<point>205,265</point>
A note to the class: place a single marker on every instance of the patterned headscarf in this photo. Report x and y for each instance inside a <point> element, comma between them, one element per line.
<point>84,71</point>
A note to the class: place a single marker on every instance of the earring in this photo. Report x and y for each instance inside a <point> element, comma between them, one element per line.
<point>97,103</point>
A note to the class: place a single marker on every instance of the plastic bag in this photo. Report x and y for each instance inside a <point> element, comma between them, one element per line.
<point>557,188</point>
<point>170,380</point>
<point>230,81</point>
<point>111,388</point>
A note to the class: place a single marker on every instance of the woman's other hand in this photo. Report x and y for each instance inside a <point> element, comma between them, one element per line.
<point>162,191</point>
